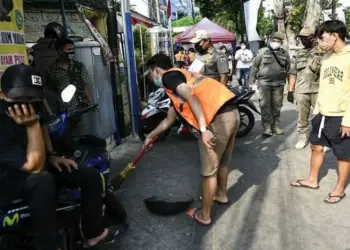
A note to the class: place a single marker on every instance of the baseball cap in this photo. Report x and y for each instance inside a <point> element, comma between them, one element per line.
<point>22,81</point>
<point>199,35</point>
<point>307,31</point>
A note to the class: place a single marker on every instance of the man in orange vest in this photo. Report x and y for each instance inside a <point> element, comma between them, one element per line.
<point>207,107</point>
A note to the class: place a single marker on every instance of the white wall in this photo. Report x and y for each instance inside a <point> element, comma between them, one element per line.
<point>141,7</point>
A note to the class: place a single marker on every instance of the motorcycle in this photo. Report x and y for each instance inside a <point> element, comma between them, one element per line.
<point>159,103</point>
<point>87,151</point>
<point>156,111</point>
<point>245,105</point>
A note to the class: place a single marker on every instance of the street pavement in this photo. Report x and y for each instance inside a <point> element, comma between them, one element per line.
<point>265,212</point>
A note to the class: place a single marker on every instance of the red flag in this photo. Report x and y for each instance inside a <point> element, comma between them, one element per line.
<point>169,10</point>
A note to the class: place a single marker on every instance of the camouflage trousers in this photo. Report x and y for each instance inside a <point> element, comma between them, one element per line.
<point>271,102</point>
<point>304,103</point>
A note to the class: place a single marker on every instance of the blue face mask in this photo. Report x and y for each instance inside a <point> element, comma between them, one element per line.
<point>158,82</point>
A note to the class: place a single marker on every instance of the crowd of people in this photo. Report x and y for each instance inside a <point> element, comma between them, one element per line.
<point>318,79</point>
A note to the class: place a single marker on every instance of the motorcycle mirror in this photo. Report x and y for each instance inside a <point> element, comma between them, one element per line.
<point>68,93</point>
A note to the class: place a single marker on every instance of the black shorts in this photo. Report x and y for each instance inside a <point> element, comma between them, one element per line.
<point>330,136</point>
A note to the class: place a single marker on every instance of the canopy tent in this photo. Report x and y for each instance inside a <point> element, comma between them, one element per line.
<point>216,32</point>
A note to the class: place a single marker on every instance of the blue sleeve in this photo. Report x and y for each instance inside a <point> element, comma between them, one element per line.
<point>12,156</point>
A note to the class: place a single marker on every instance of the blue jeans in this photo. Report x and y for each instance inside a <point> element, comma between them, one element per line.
<point>243,77</point>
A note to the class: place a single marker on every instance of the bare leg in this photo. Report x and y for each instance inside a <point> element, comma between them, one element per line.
<point>92,242</point>
<point>343,173</point>
<point>221,195</point>
<point>208,192</point>
<point>316,162</point>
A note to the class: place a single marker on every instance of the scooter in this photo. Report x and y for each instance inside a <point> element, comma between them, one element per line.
<point>88,152</point>
<point>159,103</point>
<point>245,105</point>
<point>155,112</point>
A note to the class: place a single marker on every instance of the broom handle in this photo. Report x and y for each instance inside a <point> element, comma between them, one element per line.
<point>144,150</point>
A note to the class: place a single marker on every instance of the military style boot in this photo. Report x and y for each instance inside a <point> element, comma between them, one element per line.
<point>276,130</point>
<point>302,142</point>
<point>267,131</point>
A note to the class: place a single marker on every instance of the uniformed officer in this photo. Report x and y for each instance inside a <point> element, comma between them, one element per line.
<point>215,61</point>
<point>303,81</point>
<point>270,69</point>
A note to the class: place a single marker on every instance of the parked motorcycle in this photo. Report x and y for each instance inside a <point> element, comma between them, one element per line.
<point>87,151</point>
<point>245,105</point>
<point>156,111</point>
<point>159,103</point>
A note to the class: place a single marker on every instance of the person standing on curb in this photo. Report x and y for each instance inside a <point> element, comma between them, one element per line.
<point>244,59</point>
<point>304,82</point>
<point>215,62</point>
<point>270,69</point>
<point>208,107</point>
<point>331,124</point>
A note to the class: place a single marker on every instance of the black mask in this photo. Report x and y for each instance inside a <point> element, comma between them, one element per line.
<point>38,106</point>
<point>307,43</point>
<point>199,48</point>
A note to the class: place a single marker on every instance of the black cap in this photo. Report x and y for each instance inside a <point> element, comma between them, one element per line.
<point>22,81</point>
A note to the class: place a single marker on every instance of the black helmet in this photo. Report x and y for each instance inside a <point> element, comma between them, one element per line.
<point>53,30</point>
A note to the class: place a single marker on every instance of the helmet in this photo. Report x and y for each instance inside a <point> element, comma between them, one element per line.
<point>53,30</point>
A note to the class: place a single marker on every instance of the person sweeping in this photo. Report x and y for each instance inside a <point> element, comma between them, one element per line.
<point>208,107</point>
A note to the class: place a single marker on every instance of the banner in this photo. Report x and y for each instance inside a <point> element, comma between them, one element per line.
<point>251,9</point>
<point>12,43</point>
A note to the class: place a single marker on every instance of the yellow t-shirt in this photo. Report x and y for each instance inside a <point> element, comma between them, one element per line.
<point>334,92</point>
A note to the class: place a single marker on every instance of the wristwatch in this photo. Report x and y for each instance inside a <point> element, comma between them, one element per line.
<point>203,129</point>
<point>52,153</point>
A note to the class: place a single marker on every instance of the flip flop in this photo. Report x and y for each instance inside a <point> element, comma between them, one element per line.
<point>192,214</point>
<point>110,238</point>
<point>303,185</point>
<point>216,201</point>
<point>327,200</point>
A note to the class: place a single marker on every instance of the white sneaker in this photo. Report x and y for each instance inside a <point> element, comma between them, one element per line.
<point>326,150</point>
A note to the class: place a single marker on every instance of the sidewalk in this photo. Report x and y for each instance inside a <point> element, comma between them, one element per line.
<point>265,211</point>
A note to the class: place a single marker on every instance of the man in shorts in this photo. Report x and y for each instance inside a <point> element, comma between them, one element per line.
<point>208,107</point>
<point>331,125</point>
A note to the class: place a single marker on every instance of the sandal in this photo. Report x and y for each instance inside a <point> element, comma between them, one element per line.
<point>301,185</point>
<point>216,201</point>
<point>340,197</point>
<point>110,238</point>
<point>193,213</point>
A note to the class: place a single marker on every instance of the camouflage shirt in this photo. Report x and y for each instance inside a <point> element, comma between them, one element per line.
<point>306,65</point>
<point>215,63</point>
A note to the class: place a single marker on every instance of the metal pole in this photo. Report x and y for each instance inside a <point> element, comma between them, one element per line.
<point>130,58</point>
<point>112,27</point>
<point>334,14</point>
<point>143,66</point>
<point>193,16</point>
<point>64,19</point>
<point>242,20</point>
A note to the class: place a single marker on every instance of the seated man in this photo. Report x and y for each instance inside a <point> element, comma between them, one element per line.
<point>22,162</point>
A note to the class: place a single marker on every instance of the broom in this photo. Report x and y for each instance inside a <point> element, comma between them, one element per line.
<point>115,184</point>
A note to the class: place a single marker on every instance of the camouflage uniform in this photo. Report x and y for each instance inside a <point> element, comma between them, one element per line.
<point>271,78</point>
<point>215,63</point>
<point>306,65</point>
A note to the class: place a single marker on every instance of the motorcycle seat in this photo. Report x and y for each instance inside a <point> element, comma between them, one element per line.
<point>90,140</point>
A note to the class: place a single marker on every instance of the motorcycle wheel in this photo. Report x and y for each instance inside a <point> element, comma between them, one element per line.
<point>247,121</point>
<point>147,126</point>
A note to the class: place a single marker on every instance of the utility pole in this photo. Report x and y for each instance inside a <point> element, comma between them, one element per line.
<point>112,27</point>
<point>242,20</point>
<point>334,14</point>
<point>130,59</point>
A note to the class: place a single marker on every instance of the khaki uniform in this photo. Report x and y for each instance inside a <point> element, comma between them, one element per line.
<point>306,65</point>
<point>215,63</point>
<point>271,78</point>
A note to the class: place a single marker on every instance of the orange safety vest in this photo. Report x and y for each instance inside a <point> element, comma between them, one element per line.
<point>192,57</point>
<point>211,94</point>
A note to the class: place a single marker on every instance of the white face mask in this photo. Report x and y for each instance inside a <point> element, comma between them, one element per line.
<point>243,47</point>
<point>275,45</point>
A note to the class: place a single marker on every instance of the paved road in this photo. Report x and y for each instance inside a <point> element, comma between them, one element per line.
<point>266,213</point>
